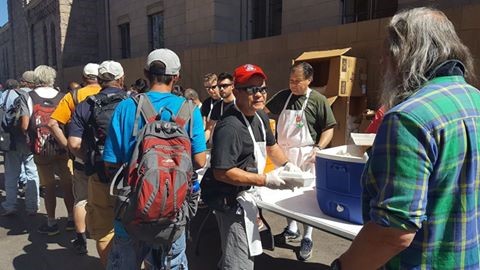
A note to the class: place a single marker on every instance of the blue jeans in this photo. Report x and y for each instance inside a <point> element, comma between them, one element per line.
<point>128,254</point>
<point>14,161</point>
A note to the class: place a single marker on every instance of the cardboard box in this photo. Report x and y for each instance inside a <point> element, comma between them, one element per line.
<point>348,114</point>
<point>336,74</point>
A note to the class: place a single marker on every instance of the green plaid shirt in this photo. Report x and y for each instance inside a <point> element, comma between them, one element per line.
<point>424,175</point>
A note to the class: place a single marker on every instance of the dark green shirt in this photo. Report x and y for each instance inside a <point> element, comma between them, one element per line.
<point>318,113</point>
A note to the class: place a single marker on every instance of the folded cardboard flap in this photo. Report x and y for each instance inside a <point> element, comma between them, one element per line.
<point>342,75</point>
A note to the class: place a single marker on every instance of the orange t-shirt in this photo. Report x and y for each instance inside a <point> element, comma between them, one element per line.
<point>66,107</point>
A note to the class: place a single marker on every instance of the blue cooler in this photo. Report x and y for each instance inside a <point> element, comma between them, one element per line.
<point>339,192</point>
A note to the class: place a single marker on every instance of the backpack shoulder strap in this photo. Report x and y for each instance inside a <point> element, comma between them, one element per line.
<point>185,114</point>
<point>74,94</point>
<point>144,108</point>
<point>6,98</point>
<point>36,98</point>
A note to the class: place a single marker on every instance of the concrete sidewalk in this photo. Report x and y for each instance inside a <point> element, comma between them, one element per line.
<point>22,247</point>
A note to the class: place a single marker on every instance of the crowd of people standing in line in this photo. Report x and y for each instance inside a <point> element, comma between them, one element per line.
<point>420,184</point>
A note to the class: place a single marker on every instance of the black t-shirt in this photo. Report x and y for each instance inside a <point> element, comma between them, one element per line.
<point>219,109</point>
<point>232,143</point>
<point>233,148</point>
<point>206,106</point>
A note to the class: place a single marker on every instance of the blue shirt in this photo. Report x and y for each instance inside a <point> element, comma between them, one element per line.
<point>120,142</point>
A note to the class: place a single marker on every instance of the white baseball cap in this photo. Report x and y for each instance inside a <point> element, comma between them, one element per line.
<point>90,69</point>
<point>28,76</point>
<point>110,70</point>
<point>167,57</point>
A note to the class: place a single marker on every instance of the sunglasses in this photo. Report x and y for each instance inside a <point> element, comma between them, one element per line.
<point>251,90</point>
<point>211,87</point>
<point>223,86</point>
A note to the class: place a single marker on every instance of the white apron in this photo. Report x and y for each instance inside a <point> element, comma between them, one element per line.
<point>294,137</point>
<point>246,198</point>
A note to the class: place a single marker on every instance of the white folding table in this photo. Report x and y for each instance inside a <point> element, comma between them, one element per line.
<point>301,205</point>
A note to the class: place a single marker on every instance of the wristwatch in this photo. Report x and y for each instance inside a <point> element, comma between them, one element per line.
<point>335,265</point>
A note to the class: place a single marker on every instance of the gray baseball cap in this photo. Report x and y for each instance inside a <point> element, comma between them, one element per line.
<point>167,57</point>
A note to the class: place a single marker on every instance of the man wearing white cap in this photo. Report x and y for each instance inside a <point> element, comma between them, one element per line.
<point>162,70</point>
<point>60,118</point>
<point>89,124</point>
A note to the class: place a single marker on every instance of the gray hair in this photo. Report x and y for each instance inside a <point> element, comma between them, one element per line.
<point>191,94</point>
<point>45,75</point>
<point>419,40</point>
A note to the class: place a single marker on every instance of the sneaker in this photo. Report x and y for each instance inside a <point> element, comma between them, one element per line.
<point>70,225</point>
<point>306,246</point>
<point>80,246</point>
<point>288,235</point>
<point>49,230</point>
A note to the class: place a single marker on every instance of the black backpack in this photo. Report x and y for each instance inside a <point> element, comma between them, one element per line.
<point>102,106</point>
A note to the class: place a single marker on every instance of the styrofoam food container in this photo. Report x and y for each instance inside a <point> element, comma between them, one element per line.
<point>364,139</point>
<point>304,179</point>
<point>349,153</point>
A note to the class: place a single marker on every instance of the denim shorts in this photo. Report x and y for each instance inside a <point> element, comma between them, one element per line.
<point>127,254</point>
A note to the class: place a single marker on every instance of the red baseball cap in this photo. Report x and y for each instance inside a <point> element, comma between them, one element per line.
<point>244,72</point>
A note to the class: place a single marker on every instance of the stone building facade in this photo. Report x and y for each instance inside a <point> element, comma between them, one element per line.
<point>6,57</point>
<point>58,33</point>
<point>209,35</point>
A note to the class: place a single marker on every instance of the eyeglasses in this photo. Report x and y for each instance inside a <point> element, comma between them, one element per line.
<point>223,86</point>
<point>251,90</point>
<point>213,87</point>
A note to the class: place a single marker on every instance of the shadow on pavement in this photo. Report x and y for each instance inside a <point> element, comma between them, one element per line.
<point>41,255</point>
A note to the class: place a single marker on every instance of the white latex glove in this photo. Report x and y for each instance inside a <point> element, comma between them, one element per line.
<point>273,180</point>
<point>313,155</point>
<point>290,167</point>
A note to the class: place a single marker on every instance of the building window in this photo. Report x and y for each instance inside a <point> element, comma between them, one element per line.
<point>6,71</point>
<point>361,10</point>
<point>53,44</point>
<point>32,45</point>
<point>266,18</point>
<point>125,39</point>
<point>155,31</point>
<point>45,45</point>
<point>260,18</point>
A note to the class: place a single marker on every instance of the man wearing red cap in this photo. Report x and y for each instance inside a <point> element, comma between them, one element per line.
<point>241,141</point>
<point>305,124</point>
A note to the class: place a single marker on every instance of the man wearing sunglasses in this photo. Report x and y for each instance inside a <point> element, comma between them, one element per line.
<point>305,124</point>
<point>210,85</point>
<point>225,88</point>
<point>241,141</point>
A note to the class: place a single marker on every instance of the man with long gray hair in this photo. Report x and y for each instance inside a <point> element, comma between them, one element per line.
<point>420,185</point>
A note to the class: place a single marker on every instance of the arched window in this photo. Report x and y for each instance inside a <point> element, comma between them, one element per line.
<point>45,45</point>
<point>53,44</point>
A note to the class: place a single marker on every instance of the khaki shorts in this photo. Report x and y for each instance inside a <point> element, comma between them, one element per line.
<point>100,210</point>
<point>47,167</point>
<point>80,188</point>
